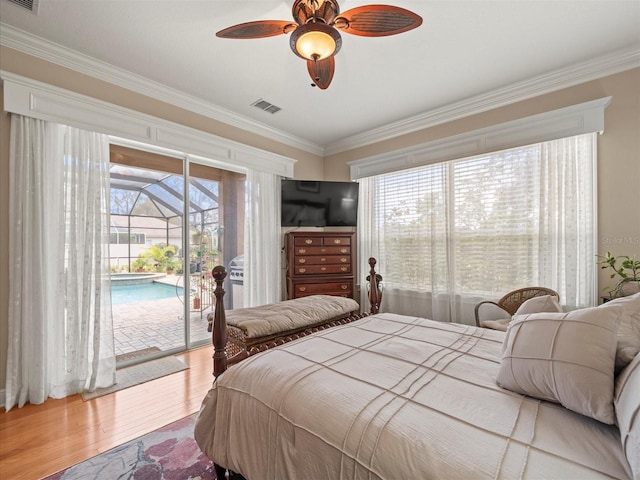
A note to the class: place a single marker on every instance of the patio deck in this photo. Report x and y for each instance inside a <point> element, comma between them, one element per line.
<point>156,323</point>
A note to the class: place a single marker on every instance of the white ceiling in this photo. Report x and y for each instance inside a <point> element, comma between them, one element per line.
<point>466,54</point>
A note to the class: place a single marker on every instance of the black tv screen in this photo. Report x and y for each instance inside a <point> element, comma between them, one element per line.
<point>319,204</point>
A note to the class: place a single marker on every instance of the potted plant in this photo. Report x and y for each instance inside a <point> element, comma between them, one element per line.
<point>627,269</point>
<point>196,302</point>
<point>139,264</point>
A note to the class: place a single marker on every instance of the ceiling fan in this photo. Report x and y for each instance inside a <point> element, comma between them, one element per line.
<point>315,34</point>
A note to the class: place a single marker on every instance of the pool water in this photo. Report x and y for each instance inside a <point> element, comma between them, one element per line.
<point>144,292</point>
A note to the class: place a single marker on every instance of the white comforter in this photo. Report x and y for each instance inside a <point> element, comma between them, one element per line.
<point>395,397</point>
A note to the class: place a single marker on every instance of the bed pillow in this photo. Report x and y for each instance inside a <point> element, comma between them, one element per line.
<point>628,330</point>
<point>501,324</point>
<point>566,358</point>
<point>543,303</point>
<point>627,404</point>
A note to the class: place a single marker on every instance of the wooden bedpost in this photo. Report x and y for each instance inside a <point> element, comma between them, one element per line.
<point>375,287</point>
<point>219,324</point>
<point>220,349</point>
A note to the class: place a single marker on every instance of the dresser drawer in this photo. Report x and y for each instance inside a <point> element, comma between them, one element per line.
<point>333,241</point>
<point>322,250</point>
<point>322,269</point>
<point>308,241</point>
<point>323,260</point>
<point>330,288</point>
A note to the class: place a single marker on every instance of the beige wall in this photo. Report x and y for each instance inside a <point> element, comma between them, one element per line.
<point>619,149</point>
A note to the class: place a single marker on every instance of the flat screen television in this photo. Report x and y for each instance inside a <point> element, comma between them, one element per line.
<point>319,204</point>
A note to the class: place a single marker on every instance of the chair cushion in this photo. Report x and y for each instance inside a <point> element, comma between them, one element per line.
<point>566,358</point>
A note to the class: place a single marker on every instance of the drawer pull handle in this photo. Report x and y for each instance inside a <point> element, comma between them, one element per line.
<point>323,250</point>
<point>308,241</point>
<point>344,269</point>
<point>323,259</point>
<point>344,287</point>
<point>302,260</point>
<point>302,270</point>
<point>324,269</point>
<point>303,289</point>
<point>343,250</point>
<point>344,260</point>
<point>337,241</point>
<point>302,250</point>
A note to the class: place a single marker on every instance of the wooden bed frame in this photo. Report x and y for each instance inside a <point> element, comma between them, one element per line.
<point>220,334</point>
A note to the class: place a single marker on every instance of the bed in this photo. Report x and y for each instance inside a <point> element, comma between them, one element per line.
<point>390,396</point>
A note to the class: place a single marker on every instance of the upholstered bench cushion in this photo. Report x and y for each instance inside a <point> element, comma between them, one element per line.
<point>275,318</point>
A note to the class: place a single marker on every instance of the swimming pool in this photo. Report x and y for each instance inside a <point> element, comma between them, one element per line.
<point>144,292</point>
<point>134,278</point>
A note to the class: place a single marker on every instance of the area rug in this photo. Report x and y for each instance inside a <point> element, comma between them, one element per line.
<point>169,453</point>
<point>125,357</point>
<point>140,373</point>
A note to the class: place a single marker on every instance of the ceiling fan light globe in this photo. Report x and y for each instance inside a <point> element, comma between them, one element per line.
<point>315,41</point>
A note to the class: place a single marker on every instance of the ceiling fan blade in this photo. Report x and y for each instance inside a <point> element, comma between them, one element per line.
<point>377,20</point>
<point>321,72</point>
<point>258,29</point>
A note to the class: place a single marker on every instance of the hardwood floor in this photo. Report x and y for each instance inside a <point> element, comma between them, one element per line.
<point>39,440</point>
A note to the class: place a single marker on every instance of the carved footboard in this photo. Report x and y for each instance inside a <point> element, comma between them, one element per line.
<point>282,322</point>
<point>231,346</point>
<point>240,343</point>
<point>239,347</point>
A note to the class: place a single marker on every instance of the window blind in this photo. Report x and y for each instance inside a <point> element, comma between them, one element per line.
<point>486,225</point>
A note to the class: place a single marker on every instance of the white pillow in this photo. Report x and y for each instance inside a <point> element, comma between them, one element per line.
<point>566,358</point>
<point>543,303</point>
<point>628,330</point>
<point>500,324</point>
<point>627,403</point>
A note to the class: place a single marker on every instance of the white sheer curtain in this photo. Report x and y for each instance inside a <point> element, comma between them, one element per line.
<point>262,239</point>
<point>451,234</point>
<point>60,324</point>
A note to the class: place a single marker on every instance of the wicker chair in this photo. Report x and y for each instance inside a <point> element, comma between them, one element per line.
<point>511,302</point>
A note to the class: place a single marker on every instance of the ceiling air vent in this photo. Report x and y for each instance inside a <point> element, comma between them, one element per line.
<point>31,5</point>
<point>266,106</point>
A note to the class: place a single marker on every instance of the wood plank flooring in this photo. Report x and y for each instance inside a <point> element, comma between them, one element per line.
<point>39,440</point>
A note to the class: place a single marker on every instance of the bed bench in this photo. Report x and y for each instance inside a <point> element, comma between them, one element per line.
<point>256,329</point>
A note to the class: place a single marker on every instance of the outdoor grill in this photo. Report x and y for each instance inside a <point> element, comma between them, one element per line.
<point>236,277</point>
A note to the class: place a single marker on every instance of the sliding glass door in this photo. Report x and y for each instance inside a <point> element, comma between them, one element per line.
<point>171,223</point>
<point>216,232</point>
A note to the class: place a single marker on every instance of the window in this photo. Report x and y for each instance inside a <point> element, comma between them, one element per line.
<point>117,238</point>
<point>480,227</point>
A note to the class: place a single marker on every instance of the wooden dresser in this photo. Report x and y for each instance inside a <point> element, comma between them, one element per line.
<point>320,263</point>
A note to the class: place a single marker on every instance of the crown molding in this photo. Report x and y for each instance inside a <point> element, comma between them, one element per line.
<point>576,74</point>
<point>26,96</point>
<point>599,67</point>
<point>38,47</point>
<point>587,117</point>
